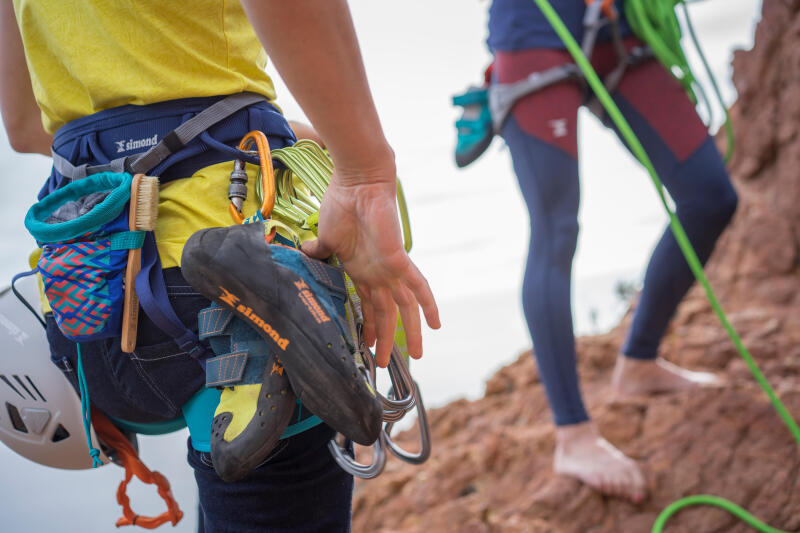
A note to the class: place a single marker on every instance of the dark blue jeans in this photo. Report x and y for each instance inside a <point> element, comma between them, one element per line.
<point>299,488</point>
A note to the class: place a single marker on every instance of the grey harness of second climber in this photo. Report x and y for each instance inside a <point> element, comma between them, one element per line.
<point>503,96</point>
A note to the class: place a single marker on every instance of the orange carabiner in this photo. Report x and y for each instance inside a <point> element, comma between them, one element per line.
<point>267,174</point>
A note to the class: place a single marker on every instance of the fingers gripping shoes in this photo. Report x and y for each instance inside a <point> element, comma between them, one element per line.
<point>296,304</point>
<point>257,403</point>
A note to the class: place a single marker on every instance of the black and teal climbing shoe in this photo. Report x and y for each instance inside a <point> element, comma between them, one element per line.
<point>296,304</point>
<point>474,128</point>
<point>257,401</point>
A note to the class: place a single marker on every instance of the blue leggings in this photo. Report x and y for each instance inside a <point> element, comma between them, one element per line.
<point>541,137</point>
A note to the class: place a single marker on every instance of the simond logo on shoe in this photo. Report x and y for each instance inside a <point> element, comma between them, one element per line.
<point>231,299</point>
<point>277,366</point>
<point>228,297</point>
<point>307,297</point>
<point>276,369</point>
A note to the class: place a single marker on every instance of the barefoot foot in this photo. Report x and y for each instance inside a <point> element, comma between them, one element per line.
<point>582,453</point>
<point>634,377</point>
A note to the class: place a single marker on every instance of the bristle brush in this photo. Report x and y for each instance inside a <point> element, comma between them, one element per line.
<point>142,217</point>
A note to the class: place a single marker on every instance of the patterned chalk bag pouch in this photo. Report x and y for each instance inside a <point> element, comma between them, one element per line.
<point>84,234</point>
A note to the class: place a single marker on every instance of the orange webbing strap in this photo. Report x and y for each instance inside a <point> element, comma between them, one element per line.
<point>608,8</point>
<point>111,436</point>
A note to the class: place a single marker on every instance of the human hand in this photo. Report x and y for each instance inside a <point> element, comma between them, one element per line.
<point>358,222</point>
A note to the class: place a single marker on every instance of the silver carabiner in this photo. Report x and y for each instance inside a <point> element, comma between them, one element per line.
<point>353,467</point>
<point>424,435</point>
<point>402,383</point>
<point>401,378</point>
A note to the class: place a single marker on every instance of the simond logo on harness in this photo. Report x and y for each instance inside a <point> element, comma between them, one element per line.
<point>131,144</point>
<point>231,299</point>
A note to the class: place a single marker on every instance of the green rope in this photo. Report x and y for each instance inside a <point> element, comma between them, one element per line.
<point>302,184</point>
<point>728,125</point>
<point>656,23</point>
<point>713,501</point>
<point>691,258</point>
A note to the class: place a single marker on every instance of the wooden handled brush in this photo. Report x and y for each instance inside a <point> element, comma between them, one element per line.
<point>142,217</point>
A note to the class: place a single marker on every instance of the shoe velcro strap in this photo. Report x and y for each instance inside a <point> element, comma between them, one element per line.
<point>212,321</point>
<point>328,275</point>
<point>225,369</point>
<point>240,368</point>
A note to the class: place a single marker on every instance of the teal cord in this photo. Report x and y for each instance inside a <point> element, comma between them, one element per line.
<point>691,258</point>
<point>86,410</point>
<point>728,126</point>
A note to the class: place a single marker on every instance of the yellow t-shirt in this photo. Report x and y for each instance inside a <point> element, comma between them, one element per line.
<point>88,55</point>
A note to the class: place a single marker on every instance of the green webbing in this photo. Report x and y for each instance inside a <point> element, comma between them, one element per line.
<point>691,258</point>
<point>127,240</point>
<point>655,22</point>
<point>401,205</point>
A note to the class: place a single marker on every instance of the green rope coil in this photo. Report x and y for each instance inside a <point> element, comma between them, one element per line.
<point>301,185</point>
<point>691,258</point>
<point>655,22</point>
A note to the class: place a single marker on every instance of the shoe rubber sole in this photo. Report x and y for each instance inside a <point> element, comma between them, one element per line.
<point>274,406</point>
<point>232,266</point>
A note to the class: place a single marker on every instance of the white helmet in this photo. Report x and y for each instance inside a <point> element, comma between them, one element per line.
<point>40,412</point>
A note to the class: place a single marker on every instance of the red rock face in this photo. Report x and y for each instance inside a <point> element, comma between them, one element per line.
<point>491,465</point>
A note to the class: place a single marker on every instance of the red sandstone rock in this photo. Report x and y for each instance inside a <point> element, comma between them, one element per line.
<point>491,470</point>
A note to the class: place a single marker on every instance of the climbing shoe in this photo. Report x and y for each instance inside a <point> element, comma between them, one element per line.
<point>474,128</point>
<point>256,403</point>
<point>296,304</point>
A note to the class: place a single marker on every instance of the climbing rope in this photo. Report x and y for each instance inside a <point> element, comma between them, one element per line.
<point>297,189</point>
<point>691,257</point>
<point>656,23</point>
<point>301,184</point>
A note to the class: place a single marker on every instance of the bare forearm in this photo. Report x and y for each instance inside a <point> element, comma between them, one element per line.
<point>314,47</point>
<point>21,115</point>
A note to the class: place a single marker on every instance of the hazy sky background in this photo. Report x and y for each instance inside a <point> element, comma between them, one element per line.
<point>470,232</point>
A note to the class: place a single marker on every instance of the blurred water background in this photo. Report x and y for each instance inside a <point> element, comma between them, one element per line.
<point>470,233</point>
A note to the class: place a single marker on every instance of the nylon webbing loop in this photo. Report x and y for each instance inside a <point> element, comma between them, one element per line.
<point>193,127</point>
<point>127,240</point>
<point>111,436</point>
<point>171,143</point>
<point>152,292</point>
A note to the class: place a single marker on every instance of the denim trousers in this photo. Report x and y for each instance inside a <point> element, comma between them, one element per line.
<point>298,488</point>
